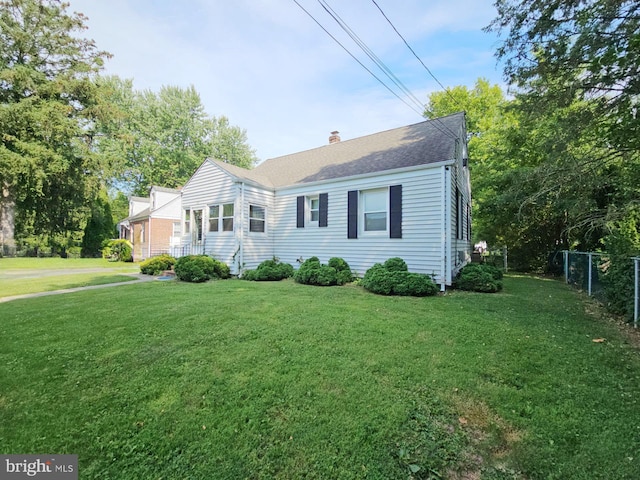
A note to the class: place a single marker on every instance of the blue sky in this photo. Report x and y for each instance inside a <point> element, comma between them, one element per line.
<point>272,71</point>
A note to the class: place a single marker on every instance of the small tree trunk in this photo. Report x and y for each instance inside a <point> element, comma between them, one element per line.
<point>7,219</point>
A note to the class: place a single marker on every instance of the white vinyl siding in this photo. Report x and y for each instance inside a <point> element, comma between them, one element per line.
<point>208,186</point>
<point>420,245</point>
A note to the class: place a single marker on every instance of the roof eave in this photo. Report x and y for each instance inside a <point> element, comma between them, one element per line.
<point>377,173</point>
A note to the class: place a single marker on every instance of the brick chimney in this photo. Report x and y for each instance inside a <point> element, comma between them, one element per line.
<point>334,137</point>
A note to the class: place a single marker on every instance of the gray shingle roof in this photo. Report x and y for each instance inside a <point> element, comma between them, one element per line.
<point>419,144</point>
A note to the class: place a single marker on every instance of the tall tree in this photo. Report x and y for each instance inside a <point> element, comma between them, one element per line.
<point>573,67</point>
<point>161,138</point>
<point>488,121</point>
<point>47,107</point>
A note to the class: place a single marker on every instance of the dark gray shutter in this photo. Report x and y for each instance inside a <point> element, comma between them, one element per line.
<point>324,210</point>
<point>352,214</point>
<point>300,212</point>
<point>395,211</point>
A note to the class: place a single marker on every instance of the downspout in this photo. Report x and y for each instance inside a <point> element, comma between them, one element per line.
<point>149,238</point>
<point>241,228</point>
<point>443,244</point>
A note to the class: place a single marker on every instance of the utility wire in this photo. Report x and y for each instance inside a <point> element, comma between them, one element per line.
<point>356,59</point>
<point>438,124</point>
<point>363,46</point>
<point>416,55</point>
<point>447,131</point>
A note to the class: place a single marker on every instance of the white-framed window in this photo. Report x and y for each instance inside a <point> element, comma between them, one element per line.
<point>176,231</point>
<point>375,209</point>
<point>314,210</point>
<point>196,234</point>
<point>187,221</point>
<point>142,232</point>
<point>257,218</point>
<point>227,217</point>
<point>214,218</point>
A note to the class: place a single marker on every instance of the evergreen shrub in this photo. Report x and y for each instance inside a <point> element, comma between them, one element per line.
<point>157,265</point>
<point>312,272</point>
<point>200,268</point>
<point>393,278</point>
<point>478,277</point>
<point>119,250</point>
<point>269,270</point>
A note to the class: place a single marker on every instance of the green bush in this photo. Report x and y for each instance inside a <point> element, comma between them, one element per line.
<point>312,272</point>
<point>478,277</point>
<point>200,268</point>
<point>157,265</point>
<point>396,264</point>
<point>343,270</point>
<point>119,250</point>
<point>269,270</point>
<point>622,243</point>
<point>392,278</point>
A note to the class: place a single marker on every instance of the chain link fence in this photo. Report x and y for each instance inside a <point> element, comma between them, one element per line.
<point>585,271</point>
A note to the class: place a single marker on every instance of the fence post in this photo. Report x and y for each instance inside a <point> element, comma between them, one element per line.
<point>635,298</point>
<point>590,263</point>
<point>566,266</point>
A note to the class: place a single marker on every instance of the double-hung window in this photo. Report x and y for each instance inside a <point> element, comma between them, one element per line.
<point>314,210</point>
<point>187,221</point>
<point>221,217</point>
<point>257,218</point>
<point>374,209</point>
<point>227,217</point>
<point>214,218</point>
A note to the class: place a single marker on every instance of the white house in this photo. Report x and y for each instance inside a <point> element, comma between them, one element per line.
<point>400,193</point>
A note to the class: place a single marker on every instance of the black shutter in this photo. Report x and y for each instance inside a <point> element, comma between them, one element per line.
<point>300,213</point>
<point>395,218</point>
<point>352,214</point>
<point>324,210</point>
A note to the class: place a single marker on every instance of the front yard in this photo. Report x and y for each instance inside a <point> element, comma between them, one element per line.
<point>234,379</point>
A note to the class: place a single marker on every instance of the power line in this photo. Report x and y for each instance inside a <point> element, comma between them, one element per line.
<point>443,128</point>
<point>356,59</point>
<point>416,55</point>
<point>365,48</point>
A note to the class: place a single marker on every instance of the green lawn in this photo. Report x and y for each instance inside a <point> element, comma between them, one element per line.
<point>232,380</point>
<point>20,276</point>
<point>55,263</point>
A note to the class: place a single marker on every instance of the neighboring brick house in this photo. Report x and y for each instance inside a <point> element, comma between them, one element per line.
<point>154,224</point>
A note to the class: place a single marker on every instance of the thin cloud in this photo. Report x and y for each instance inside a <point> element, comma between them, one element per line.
<point>269,68</point>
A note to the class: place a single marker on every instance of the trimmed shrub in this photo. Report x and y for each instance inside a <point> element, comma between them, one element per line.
<point>200,268</point>
<point>221,269</point>
<point>157,265</point>
<point>477,277</point>
<point>312,272</point>
<point>396,264</point>
<point>269,270</point>
<point>119,250</point>
<point>392,278</point>
<point>343,270</point>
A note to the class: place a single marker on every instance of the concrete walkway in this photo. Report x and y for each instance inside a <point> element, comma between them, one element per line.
<point>139,279</point>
